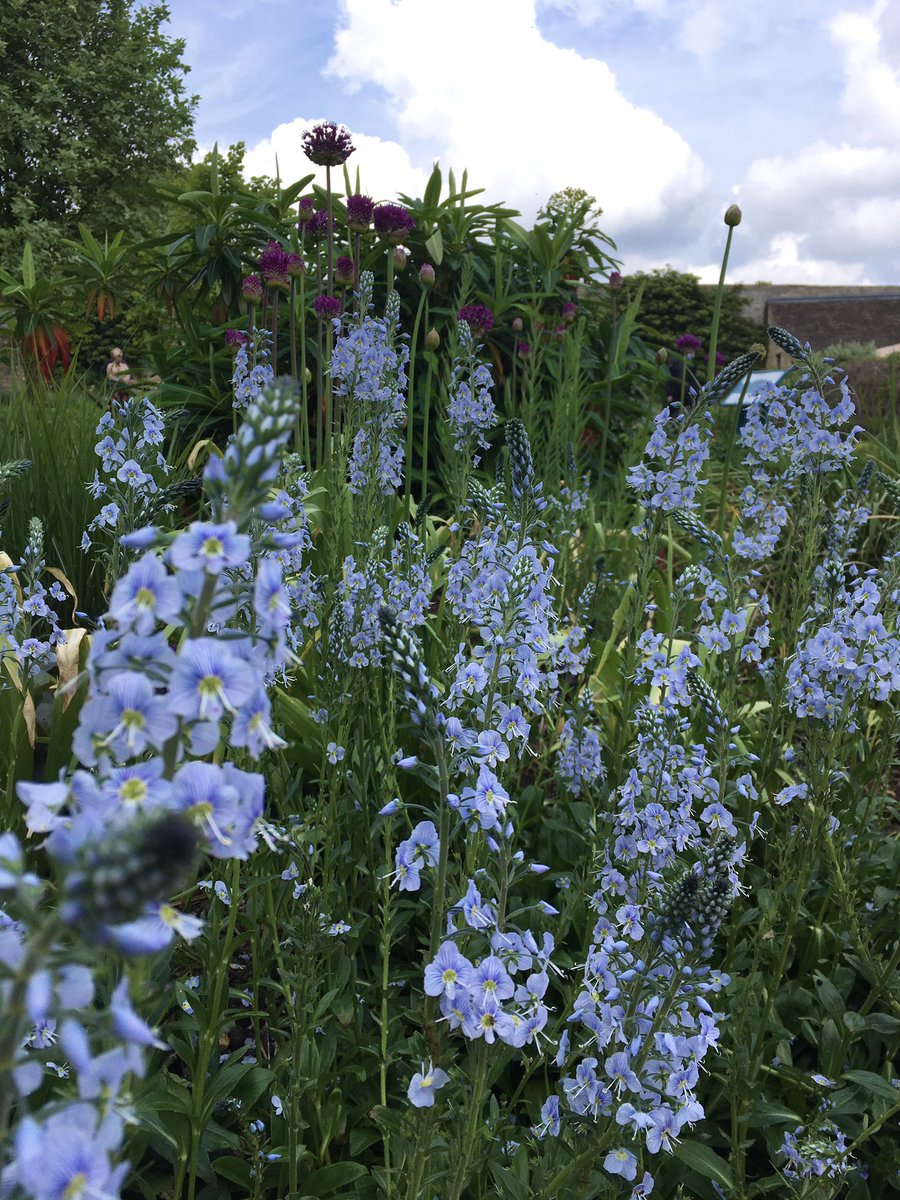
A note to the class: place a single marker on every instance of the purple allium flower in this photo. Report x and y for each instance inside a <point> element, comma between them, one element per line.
<point>426,274</point>
<point>524,349</point>
<point>393,222</point>
<point>252,288</point>
<point>235,338</point>
<point>688,343</point>
<point>359,212</point>
<point>569,310</point>
<point>616,282</point>
<point>478,317</point>
<point>305,209</point>
<point>317,226</point>
<point>295,266</point>
<point>273,262</point>
<point>327,307</point>
<point>327,144</point>
<point>344,271</point>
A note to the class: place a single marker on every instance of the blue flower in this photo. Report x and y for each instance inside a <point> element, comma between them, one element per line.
<point>424,1084</point>
<point>621,1162</point>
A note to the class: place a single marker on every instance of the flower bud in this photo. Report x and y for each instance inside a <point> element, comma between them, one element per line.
<point>616,282</point>
<point>252,289</point>
<point>432,339</point>
<point>344,271</point>
<point>733,215</point>
<point>662,355</point>
<point>518,324</point>
<point>401,257</point>
<point>426,275</point>
<point>306,207</point>
<point>569,311</point>
<point>295,266</point>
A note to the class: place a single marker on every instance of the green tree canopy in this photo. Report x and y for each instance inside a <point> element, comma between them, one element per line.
<point>94,107</point>
<point>675,303</point>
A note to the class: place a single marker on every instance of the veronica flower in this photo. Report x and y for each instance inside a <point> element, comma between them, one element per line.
<point>225,802</point>
<point>424,1084</point>
<point>621,1162</point>
<point>146,594</point>
<point>209,547</point>
<point>209,679</point>
<point>70,1154</point>
<point>126,721</point>
<point>449,972</point>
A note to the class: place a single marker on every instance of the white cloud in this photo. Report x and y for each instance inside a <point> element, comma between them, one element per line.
<point>830,213</point>
<point>385,167</point>
<point>477,86</point>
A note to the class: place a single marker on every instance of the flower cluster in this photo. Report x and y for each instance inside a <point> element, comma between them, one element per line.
<point>134,469</point>
<point>247,382</point>
<point>643,1011</point>
<point>29,624</point>
<point>327,144</point>
<point>471,410</point>
<point>393,222</point>
<point>853,653</point>
<point>478,317</point>
<point>368,369</point>
<point>668,476</point>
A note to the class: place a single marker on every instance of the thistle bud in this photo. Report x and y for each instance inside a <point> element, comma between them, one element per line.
<point>733,215</point>
<point>432,339</point>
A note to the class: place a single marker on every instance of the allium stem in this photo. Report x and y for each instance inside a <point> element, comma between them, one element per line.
<point>607,388</point>
<point>411,399</point>
<point>717,310</point>
<point>426,419</point>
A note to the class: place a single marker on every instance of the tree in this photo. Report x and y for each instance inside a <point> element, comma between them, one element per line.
<point>675,303</point>
<point>94,107</point>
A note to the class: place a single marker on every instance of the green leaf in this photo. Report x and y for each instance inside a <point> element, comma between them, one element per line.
<point>882,1023</point>
<point>876,1085</point>
<point>706,1162</point>
<point>435,247</point>
<point>329,1179</point>
<point>830,998</point>
<point>767,1113</point>
<point>433,188</point>
<point>28,275</point>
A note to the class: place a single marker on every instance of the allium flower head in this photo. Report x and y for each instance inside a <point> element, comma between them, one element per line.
<point>359,212</point>
<point>317,224</point>
<point>252,288</point>
<point>688,343</point>
<point>478,317</point>
<point>327,307</point>
<point>273,262</point>
<point>393,222</point>
<point>305,209</point>
<point>344,271</point>
<point>327,144</point>
<point>235,338</point>
<point>426,274</point>
<point>295,266</point>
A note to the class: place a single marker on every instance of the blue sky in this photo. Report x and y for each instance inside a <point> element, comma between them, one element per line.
<point>666,110</point>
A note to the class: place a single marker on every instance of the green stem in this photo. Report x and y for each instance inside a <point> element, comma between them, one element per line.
<point>411,400</point>
<point>717,310</point>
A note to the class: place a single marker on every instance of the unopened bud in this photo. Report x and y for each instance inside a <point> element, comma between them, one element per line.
<point>733,215</point>
<point>401,257</point>
<point>662,355</point>
<point>432,339</point>
<point>616,282</point>
<point>426,275</point>
<point>518,324</point>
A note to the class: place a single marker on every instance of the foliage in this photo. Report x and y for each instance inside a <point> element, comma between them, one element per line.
<point>92,93</point>
<point>675,303</point>
<point>578,869</point>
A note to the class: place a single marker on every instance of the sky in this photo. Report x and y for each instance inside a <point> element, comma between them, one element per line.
<point>667,111</point>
